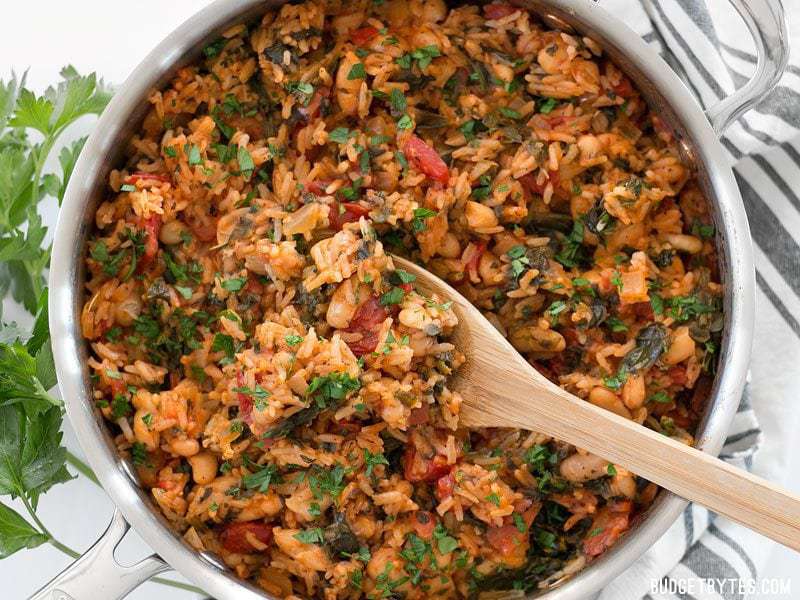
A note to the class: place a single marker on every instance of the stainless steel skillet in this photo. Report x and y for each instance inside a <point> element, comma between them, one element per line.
<point>98,575</point>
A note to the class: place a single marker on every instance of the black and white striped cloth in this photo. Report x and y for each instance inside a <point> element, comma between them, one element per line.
<point>709,47</point>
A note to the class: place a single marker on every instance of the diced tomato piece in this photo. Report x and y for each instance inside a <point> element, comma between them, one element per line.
<point>475,259</point>
<point>419,416</point>
<point>530,182</point>
<point>254,286</point>
<point>362,35</point>
<point>406,287</point>
<point>118,387</point>
<point>680,417</point>
<point>509,541</point>
<point>418,468</point>
<point>604,285</point>
<point>252,126</point>
<point>318,187</point>
<point>445,486</point>
<point>557,120</point>
<point>423,523</point>
<point>350,212</point>
<point>204,228</point>
<point>103,327</point>
<point>527,509</point>
<point>245,400</point>
<point>420,463</point>
<point>151,227</point>
<point>496,11</point>
<point>608,524</point>
<point>644,310</point>
<point>234,536</point>
<point>426,159</point>
<point>312,109</point>
<point>678,375</point>
<point>623,88</point>
<point>347,426</point>
<point>571,335</point>
<point>365,321</point>
<point>141,175</point>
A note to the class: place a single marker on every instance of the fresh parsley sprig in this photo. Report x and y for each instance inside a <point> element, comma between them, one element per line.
<point>30,126</point>
<point>32,459</point>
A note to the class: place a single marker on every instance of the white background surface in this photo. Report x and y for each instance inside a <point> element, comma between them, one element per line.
<point>111,37</point>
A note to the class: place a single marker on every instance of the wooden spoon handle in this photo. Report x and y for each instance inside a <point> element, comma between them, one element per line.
<point>752,501</point>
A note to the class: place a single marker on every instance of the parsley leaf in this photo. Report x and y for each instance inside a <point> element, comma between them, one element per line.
<point>393,296</point>
<point>223,343</point>
<point>16,533</point>
<point>372,460</point>
<point>418,223</point>
<point>310,536</point>
<point>357,71</point>
<point>260,480</point>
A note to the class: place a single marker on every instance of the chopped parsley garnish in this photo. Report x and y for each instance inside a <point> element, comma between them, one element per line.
<point>258,393</point>
<point>510,113</point>
<point>555,309</point>
<point>418,223</point>
<point>397,100</point>
<point>139,454</point>
<point>234,284</point>
<point>301,90</point>
<point>393,296</point>
<point>444,541</point>
<point>660,397</point>
<point>340,135</point>
<point>405,122</point>
<point>616,325</point>
<point>519,260</point>
<point>372,460</point>
<point>223,343</point>
<point>519,523</point>
<point>310,536</point>
<point>403,276</point>
<point>357,71</point>
<point>328,481</point>
<point>423,56</point>
<point>193,155</point>
<point>547,105</point>
<point>293,340</point>
<point>246,164</point>
<point>260,480</point>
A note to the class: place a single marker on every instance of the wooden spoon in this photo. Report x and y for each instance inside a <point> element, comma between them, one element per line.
<point>500,389</point>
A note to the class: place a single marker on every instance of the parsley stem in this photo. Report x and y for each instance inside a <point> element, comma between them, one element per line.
<point>177,584</point>
<point>50,538</point>
<point>82,468</point>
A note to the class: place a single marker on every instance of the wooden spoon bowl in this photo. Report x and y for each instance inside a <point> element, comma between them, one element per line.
<point>500,389</point>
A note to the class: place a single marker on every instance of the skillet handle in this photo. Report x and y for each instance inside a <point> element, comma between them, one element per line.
<point>97,575</point>
<point>766,21</point>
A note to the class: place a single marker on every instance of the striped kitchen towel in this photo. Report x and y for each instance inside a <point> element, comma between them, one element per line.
<point>707,44</point>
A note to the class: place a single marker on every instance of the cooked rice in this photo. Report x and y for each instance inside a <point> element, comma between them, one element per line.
<point>283,390</point>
